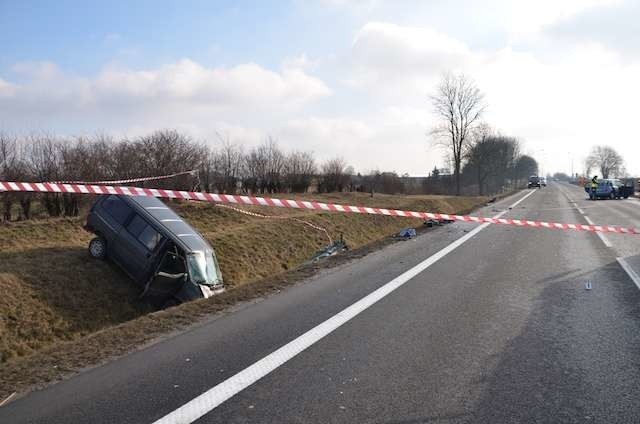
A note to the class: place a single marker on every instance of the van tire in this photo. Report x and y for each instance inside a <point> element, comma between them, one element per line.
<point>98,248</point>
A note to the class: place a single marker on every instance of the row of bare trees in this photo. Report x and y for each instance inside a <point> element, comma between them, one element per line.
<point>224,168</point>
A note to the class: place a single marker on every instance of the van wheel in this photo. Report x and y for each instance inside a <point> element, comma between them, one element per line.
<point>98,248</point>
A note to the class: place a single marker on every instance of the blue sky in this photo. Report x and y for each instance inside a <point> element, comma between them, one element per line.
<point>82,36</point>
<point>338,77</point>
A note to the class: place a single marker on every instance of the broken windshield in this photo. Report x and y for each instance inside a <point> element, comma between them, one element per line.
<point>203,268</point>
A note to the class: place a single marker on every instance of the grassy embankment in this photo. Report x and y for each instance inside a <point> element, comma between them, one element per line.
<point>60,310</point>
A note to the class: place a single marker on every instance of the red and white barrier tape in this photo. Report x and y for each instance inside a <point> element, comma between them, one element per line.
<point>131,180</point>
<point>295,204</point>
<point>292,218</point>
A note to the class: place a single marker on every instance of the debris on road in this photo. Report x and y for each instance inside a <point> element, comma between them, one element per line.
<point>435,222</point>
<point>406,234</point>
<point>331,250</point>
<point>587,286</point>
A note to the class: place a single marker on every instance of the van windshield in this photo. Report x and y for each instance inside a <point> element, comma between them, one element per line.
<point>203,268</point>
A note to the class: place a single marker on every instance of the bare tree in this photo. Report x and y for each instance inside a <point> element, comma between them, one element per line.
<point>459,104</point>
<point>383,182</point>
<point>264,168</point>
<point>492,159</point>
<point>254,169</point>
<point>607,160</point>
<point>334,175</point>
<point>276,160</point>
<point>526,166</point>
<point>43,162</point>
<point>8,159</point>
<point>166,152</point>
<point>227,164</point>
<point>300,168</point>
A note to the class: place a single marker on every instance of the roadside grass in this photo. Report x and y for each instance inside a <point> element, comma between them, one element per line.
<point>61,310</point>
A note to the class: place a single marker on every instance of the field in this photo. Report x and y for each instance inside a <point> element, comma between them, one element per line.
<point>54,294</point>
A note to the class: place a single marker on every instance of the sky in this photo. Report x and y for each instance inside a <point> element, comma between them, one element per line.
<point>349,78</point>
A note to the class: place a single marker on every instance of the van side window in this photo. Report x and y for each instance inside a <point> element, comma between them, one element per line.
<point>136,226</point>
<point>144,232</point>
<point>117,208</point>
<point>173,263</point>
<point>150,237</point>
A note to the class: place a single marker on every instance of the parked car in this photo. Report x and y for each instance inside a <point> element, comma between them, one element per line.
<point>534,181</point>
<point>543,181</point>
<point>609,189</point>
<point>163,254</point>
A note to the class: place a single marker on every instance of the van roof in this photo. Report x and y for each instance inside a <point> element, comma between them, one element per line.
<point>176,228</point>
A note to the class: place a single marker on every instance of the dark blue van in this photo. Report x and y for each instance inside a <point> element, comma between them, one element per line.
<point>164,255</point>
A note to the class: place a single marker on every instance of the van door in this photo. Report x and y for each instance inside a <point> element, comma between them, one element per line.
<point>170,275</point>
<point>138,243</point>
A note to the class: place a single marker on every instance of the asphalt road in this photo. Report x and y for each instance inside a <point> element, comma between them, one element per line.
<point>501,329</point>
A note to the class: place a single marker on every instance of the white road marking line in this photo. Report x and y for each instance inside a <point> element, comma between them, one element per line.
<point>630,272</point>
<point>7,399</point>
<point>604,238</point>
<point>207,401</point>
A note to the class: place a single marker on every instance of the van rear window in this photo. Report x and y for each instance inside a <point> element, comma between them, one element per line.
<point>118,209</point>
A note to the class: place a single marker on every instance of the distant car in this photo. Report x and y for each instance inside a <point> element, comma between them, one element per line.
<point>163,254</point>
<point>543,181</point>
<point>610,189</point>
<point>534,181</point>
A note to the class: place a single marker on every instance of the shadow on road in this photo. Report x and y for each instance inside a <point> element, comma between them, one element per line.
<point>432,419</point>
<point>578,358</point>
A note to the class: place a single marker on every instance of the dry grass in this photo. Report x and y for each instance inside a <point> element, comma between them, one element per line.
<point>60,307</point>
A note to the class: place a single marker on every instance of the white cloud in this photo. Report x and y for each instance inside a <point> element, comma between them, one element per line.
<point>324,136</point>
<point>7,89</point>
<point>220,87</point>
<point>523,18</point>
<point>185,85</point>
<point>396,141</point>
<point>300,62</point>
<point>615,27</point>
<point>385,54</point>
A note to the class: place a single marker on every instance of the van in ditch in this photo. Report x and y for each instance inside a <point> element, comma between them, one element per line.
<point>165,256</point>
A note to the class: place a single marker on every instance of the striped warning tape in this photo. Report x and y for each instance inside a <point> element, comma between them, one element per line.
<point>131,180</point>
<point>292,218</point>
<point>296,204</point>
